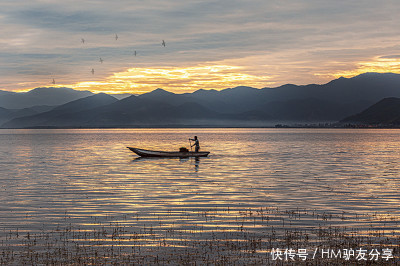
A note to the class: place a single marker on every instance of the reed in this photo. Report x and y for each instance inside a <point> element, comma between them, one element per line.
<point>217,236</point>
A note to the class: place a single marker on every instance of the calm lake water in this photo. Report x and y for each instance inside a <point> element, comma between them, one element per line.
<point>297,179</point>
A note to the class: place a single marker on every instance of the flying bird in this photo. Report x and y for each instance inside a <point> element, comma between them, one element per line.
<point>92,71</point>
<point>101,60</point>
<point>82,40</point>
<point>163,43</point>
<point>116,37</point>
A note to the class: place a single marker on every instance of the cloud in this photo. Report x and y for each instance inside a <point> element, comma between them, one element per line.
<point>290,41</point>
<point>176,79</point>
<point>389,57</point>
<point>379,64</point>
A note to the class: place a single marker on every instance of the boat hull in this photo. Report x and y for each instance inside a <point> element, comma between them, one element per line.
<point>149,153</point>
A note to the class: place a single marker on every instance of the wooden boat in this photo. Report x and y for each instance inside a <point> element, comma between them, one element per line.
<point>148,153</point>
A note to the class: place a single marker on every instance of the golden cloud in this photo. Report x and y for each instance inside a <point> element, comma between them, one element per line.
<point>378,65</point>
<point>174,79</point>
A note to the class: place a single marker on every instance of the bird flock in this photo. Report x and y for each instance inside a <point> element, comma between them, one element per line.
<point>101,60</point>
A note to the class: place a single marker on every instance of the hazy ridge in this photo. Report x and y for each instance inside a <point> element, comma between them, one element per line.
<point>239,106</point>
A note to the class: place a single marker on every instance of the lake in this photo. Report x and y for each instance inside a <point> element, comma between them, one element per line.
<point>80,196</point>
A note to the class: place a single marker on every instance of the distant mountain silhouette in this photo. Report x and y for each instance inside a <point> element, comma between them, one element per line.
<point>41,96</point>
<point>61,115</point>
<point>161,95</point>
<point>2,93</point>
<point>8,114</point>
<point>239,106</point>
<point>232,100</point>
<point>135,111</point>
<point>384,112</point>
<point>4,114</point>
<point>368,87</point>
<point>311,103</point>
<point>120,96</point>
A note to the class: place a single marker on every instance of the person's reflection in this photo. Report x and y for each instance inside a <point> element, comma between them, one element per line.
<point>196,163</point>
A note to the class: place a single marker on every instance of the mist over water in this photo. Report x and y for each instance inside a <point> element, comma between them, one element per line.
<point>52,177</point>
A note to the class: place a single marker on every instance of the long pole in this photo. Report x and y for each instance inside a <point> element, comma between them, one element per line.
<point>190,144</point>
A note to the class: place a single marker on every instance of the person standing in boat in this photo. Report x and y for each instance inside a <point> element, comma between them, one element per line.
<point>196,143</point>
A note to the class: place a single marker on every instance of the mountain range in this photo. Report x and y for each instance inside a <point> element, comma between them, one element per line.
<point>385,112</point>
<point>40,96</point>
<point>239,106</point>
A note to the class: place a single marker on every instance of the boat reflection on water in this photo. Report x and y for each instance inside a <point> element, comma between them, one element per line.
<point>168,161</point>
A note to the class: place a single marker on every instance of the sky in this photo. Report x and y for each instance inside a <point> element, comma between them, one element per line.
<point>208,44</point>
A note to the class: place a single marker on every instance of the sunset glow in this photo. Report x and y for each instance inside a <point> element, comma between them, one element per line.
<point>174,79</point>
<point>378,65</point>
